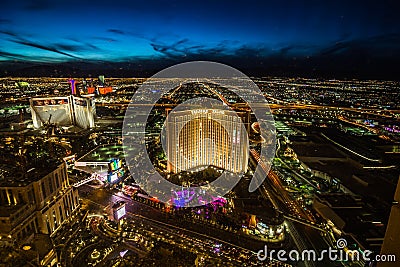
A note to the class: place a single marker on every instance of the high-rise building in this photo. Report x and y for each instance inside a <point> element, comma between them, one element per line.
<point>204,137</point>
<point>101,80</point>
<point>36,202</point>
<point>73,86</point>
<point>63,111</point>
<point>391,243</point>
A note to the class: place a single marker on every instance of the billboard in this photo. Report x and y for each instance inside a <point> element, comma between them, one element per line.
<point>112,177</point>
<point>105,90</point>
<point>115,170</point>
<point>90,90</point>
<point>119,210</point>
<point>114,164</point>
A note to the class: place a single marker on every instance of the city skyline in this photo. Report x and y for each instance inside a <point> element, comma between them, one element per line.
<point>206,133</point>
<point>330,183</point>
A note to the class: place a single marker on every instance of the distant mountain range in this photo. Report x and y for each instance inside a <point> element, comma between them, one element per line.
<point>323,66</point>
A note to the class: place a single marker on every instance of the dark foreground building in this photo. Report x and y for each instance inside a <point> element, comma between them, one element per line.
<point>34,205</point>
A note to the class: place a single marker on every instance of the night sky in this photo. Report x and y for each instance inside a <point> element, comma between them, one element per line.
<point>311,38</point>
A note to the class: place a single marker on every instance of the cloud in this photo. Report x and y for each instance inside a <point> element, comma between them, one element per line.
<point>335,48</point>
<point>128,33</point>
<point>387,45</point>
<point>362,56</point>
<point>9,33</point>
<point>116,31</point>
<point>297,50</point>
<point>43,47</point>
<point>77,47</point>
<point>176,49</point>
<point>185,48</point>
<point>23,58</point>
<point>13,55</point>
<point>59,48</point>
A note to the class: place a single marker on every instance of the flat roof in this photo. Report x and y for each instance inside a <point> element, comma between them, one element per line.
<point>257,207</point>
<point>105,153</point>
<point>12,175</point>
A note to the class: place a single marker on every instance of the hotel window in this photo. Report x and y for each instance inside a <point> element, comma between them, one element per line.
<point>43,190</point>
<point>50,181</point>
<point>61,213</point>
<point>57,181</point>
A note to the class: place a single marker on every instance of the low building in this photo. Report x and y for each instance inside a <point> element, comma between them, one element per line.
<point>262,222</point>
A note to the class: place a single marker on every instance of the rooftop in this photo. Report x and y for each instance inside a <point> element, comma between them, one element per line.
<point>15,176</point>
<point>105,153</point>
<point>256,207</point>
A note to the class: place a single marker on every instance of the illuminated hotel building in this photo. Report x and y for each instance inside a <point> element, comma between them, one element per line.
<point>37,202</point>
<point>204,137</point>
<point>64,111</point>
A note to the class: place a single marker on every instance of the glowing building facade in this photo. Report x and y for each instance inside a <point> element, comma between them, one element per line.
<point>205,137</point>
<point>73,86</point>
<point>39,202</point>
<point>63,111</point>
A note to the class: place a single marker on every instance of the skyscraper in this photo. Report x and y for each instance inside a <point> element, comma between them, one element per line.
<point>63,111</point>
<point>101,80</point>
<point>391,243</point>
<point>37,202</point>
<point>204,137</point>
<point>73,86</point>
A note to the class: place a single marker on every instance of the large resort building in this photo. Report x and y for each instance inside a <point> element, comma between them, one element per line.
<point>63,111</point>
<point>37,201</point>
<point>204,137</point>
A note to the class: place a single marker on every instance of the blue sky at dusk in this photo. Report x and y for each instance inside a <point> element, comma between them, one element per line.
<point>128,31</point>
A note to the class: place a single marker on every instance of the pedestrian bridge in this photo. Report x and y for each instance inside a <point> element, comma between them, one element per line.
<point>94,176</point>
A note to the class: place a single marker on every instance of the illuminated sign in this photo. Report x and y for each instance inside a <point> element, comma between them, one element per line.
<point>218,111</point>
<point>115,170</point>
<point>105,90</point>
<point>50,102</point>
<point>114,164</point>
<point>119,210</point>
<point>90,90</point>
<point>73,86</point>
<point>199,111</point>
<point>206,111</point>
<point>112,177</point>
